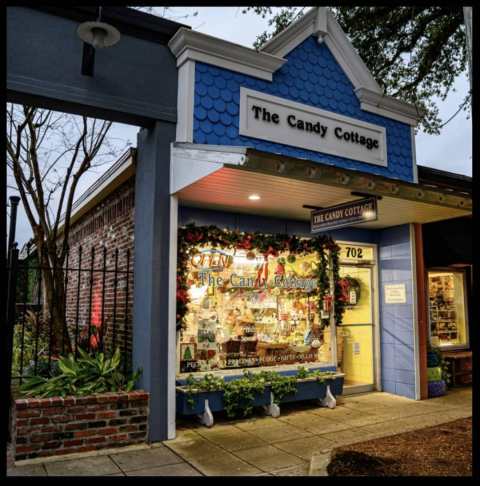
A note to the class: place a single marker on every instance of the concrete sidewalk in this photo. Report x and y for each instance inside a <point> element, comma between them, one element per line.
<point>261,445</point>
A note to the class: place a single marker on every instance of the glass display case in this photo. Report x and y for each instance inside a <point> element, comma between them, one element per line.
<point>447,308</point>
<point>248,311</point>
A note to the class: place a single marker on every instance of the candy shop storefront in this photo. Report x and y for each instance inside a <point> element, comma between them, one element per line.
<point>295,224</point>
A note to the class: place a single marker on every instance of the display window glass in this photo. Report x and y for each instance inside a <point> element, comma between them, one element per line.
<point>447,312</point>
<point>248,311</point>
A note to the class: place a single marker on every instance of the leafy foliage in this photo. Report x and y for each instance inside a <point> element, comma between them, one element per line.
<point>414,53</point>
<point>30,344</point>
<point>239,394</point>
<point>280,385</point>
<point>82,376</point>
<point>446,375</point>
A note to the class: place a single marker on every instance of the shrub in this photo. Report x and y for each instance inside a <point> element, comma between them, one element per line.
<point>82,376</point>
<point>30,344</point>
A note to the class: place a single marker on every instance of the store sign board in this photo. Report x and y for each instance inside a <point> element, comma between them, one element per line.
<point>279,120</point>
<point>395,293</point>
<point>360,211</point>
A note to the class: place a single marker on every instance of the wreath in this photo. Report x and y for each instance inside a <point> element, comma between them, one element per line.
<point>190,237</point>
<point>348,284</point>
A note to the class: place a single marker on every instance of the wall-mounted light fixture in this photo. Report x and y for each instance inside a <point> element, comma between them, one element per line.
<point>95,35</point>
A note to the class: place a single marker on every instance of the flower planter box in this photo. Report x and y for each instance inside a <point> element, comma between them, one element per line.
<point>307,389</point>
<point>58,426</point>
<point>215,401</point>
<point>310,389</point>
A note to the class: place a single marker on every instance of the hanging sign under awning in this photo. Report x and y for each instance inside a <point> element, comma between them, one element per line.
<point>346,214</point>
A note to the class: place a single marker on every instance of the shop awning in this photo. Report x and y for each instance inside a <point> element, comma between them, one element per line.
<point>223,178</point>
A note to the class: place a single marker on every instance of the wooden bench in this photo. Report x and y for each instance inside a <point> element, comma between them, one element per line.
<point>458,366</point>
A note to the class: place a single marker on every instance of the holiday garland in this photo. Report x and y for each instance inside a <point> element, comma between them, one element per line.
<point>191,237</point>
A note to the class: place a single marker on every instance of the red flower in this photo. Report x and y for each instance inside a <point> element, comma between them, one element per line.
<point>93,341</point>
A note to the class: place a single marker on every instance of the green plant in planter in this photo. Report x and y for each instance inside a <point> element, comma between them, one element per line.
<point>321,376</point>
<point>280,385</point>
<point>82,376</point>
<point>302,373</point>
<point>208,383</point>
<point>239,394</point>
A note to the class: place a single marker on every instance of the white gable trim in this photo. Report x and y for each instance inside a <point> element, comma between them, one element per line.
<point>346,55</point>
<point>319,21</point>
<point>185,101</point>
<point>388,106</point>
<point>188,45</point>
<point>293,35</point>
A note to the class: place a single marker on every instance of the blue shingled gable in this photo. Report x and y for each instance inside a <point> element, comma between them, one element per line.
<point>311,76</point>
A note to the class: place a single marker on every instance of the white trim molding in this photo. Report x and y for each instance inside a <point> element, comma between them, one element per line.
<point>296,33</point>
<point>319,21</point>
<point>416,346</point>
<point>388,106</point>
<point>414,156</point>
<point>188,45</point>
<point>185,101</point>
<point>191,162</point>
<point>172,319</point>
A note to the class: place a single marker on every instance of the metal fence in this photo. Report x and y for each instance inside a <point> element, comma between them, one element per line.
<point>97,309</point>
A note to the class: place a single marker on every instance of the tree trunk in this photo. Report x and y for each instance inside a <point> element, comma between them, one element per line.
<point>54,307</point>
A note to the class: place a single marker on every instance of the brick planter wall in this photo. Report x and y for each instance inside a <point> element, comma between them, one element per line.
<point>55,426</point>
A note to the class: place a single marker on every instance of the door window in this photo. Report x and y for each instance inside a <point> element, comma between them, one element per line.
<point>357,293</point>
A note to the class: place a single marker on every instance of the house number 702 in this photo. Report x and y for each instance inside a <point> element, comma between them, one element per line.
<point>353,252</point>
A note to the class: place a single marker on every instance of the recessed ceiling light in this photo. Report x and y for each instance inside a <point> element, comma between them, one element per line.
<point>254,197</point>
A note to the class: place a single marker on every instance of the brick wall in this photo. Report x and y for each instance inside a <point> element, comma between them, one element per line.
<point>57,426</point>
<point>108,231</point>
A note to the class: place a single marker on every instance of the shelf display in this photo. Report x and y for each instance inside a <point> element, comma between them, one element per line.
<point>447,311</point>
<point>246,309</point>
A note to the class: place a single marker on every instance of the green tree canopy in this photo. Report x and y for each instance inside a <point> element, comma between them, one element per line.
<point>414,53</point>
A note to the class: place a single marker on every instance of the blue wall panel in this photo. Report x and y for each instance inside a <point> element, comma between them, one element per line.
<point>310,76</point>
<point>397,326</point>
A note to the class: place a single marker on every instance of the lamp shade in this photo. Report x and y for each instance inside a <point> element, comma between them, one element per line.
<point>98,34</point>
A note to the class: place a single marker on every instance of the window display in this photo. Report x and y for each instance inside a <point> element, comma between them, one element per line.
<point>447,309</point>
<point>248,310</point>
